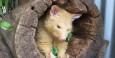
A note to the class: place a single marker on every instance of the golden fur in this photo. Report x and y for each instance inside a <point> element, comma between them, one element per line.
<point>50,35</point>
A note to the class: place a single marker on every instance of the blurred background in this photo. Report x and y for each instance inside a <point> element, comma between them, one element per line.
<point>106,8</point>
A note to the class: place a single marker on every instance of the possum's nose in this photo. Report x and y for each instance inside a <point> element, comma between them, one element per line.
<point>63,37</point>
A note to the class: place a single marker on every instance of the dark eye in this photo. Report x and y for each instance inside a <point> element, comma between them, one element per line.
<point>58,26</point>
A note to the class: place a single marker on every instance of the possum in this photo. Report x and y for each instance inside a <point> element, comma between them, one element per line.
<point>53,30</point>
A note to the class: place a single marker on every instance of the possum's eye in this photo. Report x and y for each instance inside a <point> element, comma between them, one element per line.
<point>58,26</point>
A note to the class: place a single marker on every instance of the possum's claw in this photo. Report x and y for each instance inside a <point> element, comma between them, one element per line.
<point>52,55</point>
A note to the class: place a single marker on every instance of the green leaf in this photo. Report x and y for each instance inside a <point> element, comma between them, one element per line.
<point>5,25</point>
<point>6,4</point>
<point>55,51</point>
<point>56,56</point>
<point>0,7</point>
<point>69,37</point>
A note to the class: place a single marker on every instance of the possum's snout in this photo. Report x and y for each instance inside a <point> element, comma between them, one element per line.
<point>63,37</point>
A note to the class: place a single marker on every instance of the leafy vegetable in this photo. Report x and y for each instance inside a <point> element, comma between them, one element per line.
<point>69,37</point>
<point>55,51</point>
<point>5,25</point>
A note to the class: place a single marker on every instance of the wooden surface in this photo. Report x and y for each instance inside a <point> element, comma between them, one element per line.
<point>87,41</point>
<point>4,51</point>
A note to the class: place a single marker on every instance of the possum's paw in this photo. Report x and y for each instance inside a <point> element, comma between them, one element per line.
<point>67,55</point>
<point>47,55</point>
<point>52,55</point>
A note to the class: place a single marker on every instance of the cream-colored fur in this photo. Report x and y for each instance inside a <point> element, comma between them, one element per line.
<point>50,35</point>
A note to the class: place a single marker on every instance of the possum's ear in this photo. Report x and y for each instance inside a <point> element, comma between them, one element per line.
<point>76,16</point>
<point>54,10</point>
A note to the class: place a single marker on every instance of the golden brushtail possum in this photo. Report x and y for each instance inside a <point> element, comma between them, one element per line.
<point>52,32</point>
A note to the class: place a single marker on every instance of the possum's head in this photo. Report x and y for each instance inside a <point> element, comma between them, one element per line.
<point>59,22</point>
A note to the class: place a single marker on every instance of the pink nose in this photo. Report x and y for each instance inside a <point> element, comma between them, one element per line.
<point>63,37</point>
